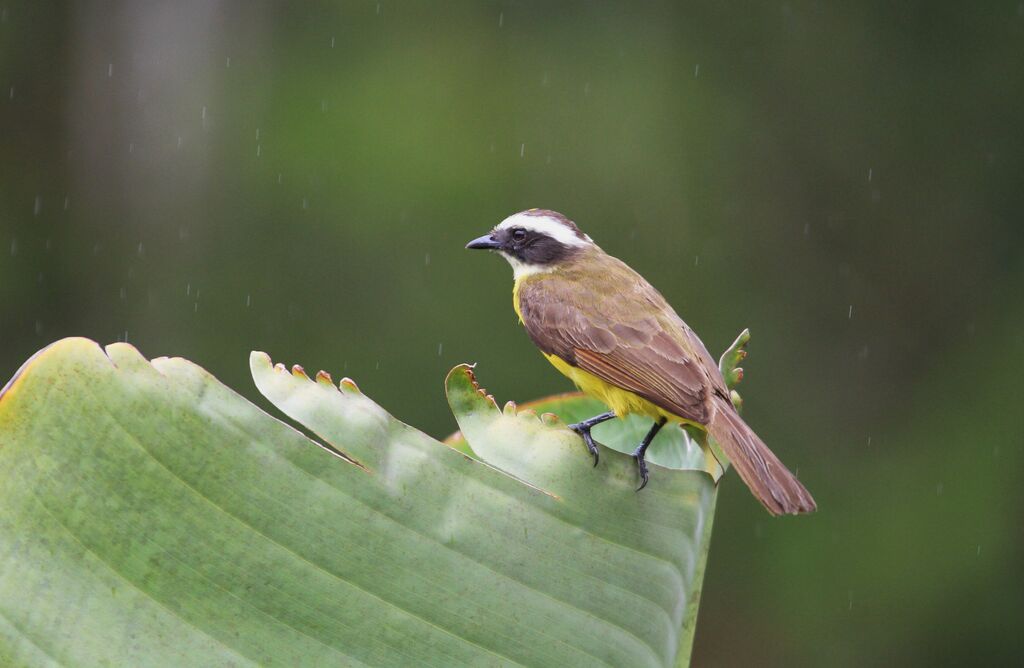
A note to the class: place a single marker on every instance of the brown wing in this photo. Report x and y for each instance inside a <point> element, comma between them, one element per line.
<point>610,322</point>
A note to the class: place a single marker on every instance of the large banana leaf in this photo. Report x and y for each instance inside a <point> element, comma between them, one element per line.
<point>151,516</point>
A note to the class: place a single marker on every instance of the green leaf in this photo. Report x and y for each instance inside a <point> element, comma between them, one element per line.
<point>728,362</point>
<point>675,446</point>
<point>669,520</point>
<point>151,516</point>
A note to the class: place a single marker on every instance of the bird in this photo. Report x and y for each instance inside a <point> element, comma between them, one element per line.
<point>601,324</point>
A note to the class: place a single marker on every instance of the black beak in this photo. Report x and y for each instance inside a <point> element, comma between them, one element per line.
<point>487,242</point>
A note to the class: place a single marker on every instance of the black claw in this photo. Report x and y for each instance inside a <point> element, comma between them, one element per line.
<point>641,452</point>
<point>583,429</point>
<point>584,432</point>
<point>641,464</point>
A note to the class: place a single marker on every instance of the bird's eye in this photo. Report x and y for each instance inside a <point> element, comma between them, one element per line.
<point>518,234</point>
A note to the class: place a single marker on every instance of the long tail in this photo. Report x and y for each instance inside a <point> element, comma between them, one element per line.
<point>771,482</point>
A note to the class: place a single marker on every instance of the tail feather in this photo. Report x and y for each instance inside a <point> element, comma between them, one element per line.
<point>768,479</point>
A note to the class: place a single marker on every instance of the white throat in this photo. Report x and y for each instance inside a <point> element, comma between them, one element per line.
<point>521,269</point>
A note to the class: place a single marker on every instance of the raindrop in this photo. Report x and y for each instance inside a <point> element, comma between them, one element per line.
<point>196,308</point>
<point>850,597</point>
<point>14,246</point>
<point>248,301</point>
<point>305,203</point>
<point>37,207</point>
<point>978,553</point>
<point>140,249</point>
<point>126,336</point>
<point>279,177</point>
<point>869,441</point>
<point>123,293</point>
<point>12,93</point>
<point>378,9</point>
<point>110,70</point>
<point>257,134</point>
<point>501,19</point>
<point>332,42</point>
<point>440,347</point>
<point>426,260</point>
<point>849,315</point>
<point>202,114</point>
<point>227,63</point>
<point>259,149</point>
<point>323,105</point>
<point>522,150</point>
<point>586,89</point>
<point>131,147</point>
<point>696,71</point>
<point>807,229</point>
<point>179,141</point>
<point>188,289</point>
<point>49,244</point>
<point>377,366</point>
<point>544,81</point>
<point>67,202</point>
<point>39,326</point>
<point>870,173</point>
<point>696,260</point>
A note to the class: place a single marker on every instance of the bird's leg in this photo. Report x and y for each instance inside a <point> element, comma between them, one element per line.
<point>641,451</point>
<point>583,429</point>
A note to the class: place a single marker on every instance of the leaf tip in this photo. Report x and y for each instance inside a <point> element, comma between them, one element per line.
<point>258,361</point>
<point>349,386</point>
<point>550,419</point>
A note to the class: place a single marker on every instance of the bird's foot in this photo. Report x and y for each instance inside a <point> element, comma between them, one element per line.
<point>583,429</point>
<point>640,454</point>
<point>641,464</point>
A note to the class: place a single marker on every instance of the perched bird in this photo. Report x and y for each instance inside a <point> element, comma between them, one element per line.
<point>606,328</point>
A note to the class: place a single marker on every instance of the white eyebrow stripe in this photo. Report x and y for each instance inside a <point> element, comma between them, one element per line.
<point>545,225</point>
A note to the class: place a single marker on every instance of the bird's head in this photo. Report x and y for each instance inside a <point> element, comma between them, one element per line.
<point>535,241</point>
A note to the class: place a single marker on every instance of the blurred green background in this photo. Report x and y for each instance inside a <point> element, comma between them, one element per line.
<point>206,178</point>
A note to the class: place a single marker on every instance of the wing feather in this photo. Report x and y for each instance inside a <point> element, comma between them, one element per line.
<point>619,328</point>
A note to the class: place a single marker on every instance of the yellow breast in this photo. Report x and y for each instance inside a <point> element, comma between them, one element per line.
<point>623,402</point>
